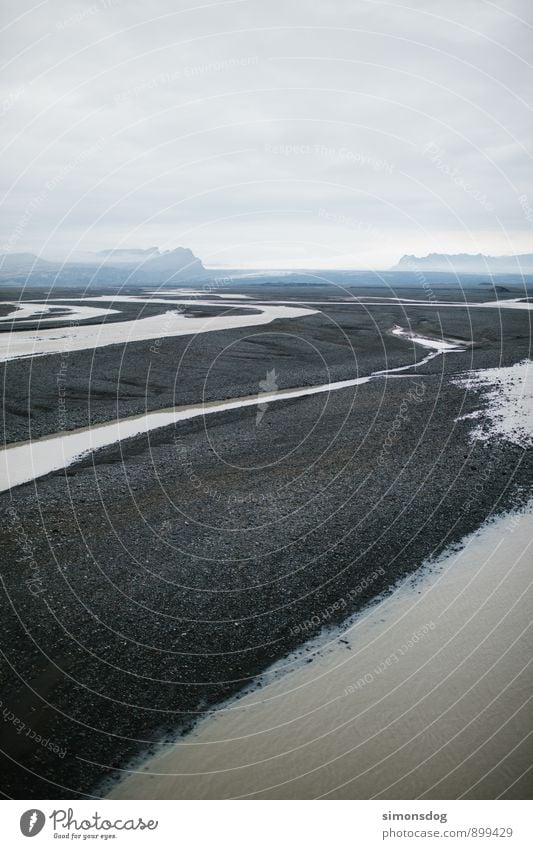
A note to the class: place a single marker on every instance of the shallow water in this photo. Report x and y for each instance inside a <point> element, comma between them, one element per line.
<point>381,300</point>
<point>36,343</point>
<point>429,696</point>
<point>24,310</point>
<point>508,393</point>
<point>426,342</point>
<point>25,461</point>
<point>26,343</point>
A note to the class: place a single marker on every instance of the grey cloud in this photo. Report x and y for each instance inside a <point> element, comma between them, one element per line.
<point>229,127</point>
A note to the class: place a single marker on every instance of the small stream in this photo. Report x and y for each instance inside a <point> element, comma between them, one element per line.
<point>26,461</point>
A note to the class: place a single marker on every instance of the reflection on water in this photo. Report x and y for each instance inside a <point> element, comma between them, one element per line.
<point>37,343</point>
<point>25,461</point>
<point>426,694</point>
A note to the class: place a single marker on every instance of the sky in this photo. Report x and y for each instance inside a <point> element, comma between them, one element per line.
<point>279,134</point>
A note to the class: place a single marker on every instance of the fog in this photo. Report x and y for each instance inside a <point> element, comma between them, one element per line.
<point>280,134</point>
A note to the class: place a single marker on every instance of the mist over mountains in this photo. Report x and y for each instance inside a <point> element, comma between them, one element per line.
<point>133,265</point>
<point>148,266</point>
<point>467,263</point>
<point>151,259</point>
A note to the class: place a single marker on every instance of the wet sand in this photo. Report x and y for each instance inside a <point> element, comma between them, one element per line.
<point>336,343</point>
<point>154,579</point>
<point>36,343</point>
<point>424,694</point>
<point>26,461</point>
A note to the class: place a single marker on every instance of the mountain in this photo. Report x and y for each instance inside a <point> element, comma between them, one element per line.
<point>179,261</point>
<point>467,263</point>
<point>130,255</point>
<point>131,265</point>
<point>176,261</point>
<point>22,263</point>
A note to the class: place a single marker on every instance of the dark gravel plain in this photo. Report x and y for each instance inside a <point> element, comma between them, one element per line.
<point>339,343</point>
<point>157,577</point>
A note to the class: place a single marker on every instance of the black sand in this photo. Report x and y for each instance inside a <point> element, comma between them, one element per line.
<point>149,582</point>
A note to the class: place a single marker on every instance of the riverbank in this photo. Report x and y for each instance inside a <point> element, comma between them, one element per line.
<point>24,462</point>
<point>159,576</point>
<point>330,341</point>
<point>426,694</point>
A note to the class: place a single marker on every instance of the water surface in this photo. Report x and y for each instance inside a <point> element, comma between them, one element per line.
<point>426,694</point>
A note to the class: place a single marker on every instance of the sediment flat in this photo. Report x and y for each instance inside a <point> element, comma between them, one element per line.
<point>158,577</point>
<point>424,694</point>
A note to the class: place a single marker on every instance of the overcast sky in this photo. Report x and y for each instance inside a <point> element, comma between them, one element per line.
<point>268,133</point>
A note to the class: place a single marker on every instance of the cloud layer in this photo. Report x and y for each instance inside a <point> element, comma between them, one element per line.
<point>268,134</point>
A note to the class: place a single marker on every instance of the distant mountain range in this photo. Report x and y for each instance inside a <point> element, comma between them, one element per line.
<point>467,263</point>
<point>132,264</point>
<point>22,263</point>
<point>147,266</point>
<point>151,259</point>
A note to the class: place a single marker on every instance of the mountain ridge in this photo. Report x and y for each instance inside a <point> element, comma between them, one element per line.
<point>137,263</point>
<point>467,263</point>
